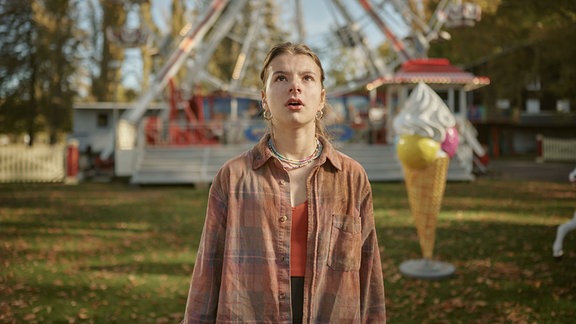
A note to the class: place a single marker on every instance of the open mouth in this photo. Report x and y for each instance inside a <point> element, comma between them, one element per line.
<point>294,103</point>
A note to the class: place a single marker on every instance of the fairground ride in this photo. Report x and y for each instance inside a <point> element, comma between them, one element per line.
<point>354,30</point>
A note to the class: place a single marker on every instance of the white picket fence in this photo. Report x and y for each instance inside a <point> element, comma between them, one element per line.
<point>556,149</point>
<point>39,163</point>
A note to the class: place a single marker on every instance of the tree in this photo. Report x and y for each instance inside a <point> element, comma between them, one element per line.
<point>147,51</point>
<point>17,74</point>
<point>107,79</point>
<point>36,61</point>
<point>56,51</point>
<point>516,43</point>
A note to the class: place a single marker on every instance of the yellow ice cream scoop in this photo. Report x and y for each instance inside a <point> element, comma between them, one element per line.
<point>417,151</point>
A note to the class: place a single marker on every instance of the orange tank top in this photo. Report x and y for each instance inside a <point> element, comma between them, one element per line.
<point>298,240</point>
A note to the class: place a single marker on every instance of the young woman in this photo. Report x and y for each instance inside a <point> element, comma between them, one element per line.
<point>289,234</point>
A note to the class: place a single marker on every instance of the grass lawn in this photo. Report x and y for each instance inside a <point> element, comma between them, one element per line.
<point>114,253</point>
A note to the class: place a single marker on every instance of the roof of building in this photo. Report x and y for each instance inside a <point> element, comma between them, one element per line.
<point>432,71</point>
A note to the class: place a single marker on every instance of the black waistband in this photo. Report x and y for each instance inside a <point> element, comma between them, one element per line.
<point>297,287</point>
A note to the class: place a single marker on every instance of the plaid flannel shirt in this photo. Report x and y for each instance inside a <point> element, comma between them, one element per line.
<point>242,271</point>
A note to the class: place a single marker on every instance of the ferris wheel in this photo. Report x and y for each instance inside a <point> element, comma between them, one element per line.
<point>361,40</point>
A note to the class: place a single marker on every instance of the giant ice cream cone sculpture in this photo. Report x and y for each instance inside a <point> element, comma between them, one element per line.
<point>425,191</point>
<point>427,140</point>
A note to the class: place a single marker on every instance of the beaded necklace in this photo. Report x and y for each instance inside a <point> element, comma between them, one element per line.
<point>290,164</point>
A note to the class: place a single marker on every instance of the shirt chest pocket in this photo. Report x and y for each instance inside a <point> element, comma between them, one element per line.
<point>345,243</point>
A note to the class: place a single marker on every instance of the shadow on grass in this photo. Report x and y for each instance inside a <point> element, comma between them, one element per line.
<point>148,268</point>
<point>519,197</point>
<point>97,302</point>
<point>113,253</point>
<point>505,273</point>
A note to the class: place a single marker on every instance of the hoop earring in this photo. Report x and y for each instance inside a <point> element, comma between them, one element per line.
<point>319,114</point>
<point>267,114</point>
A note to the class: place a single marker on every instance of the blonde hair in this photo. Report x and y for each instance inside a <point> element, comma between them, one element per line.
<point>296,49</point>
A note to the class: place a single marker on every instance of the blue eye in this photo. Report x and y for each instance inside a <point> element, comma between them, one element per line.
<point>281,78</point>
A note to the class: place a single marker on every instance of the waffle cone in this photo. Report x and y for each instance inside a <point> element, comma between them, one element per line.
<point>425,192</point>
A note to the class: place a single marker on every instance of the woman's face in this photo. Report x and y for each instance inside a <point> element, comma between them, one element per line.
<point>293,91</point>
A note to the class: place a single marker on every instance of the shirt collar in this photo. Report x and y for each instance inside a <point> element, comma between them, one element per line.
<point>260,153</point>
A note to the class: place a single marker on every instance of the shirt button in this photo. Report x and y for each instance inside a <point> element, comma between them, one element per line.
<point>283,219</point>
<point>282,296</point>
